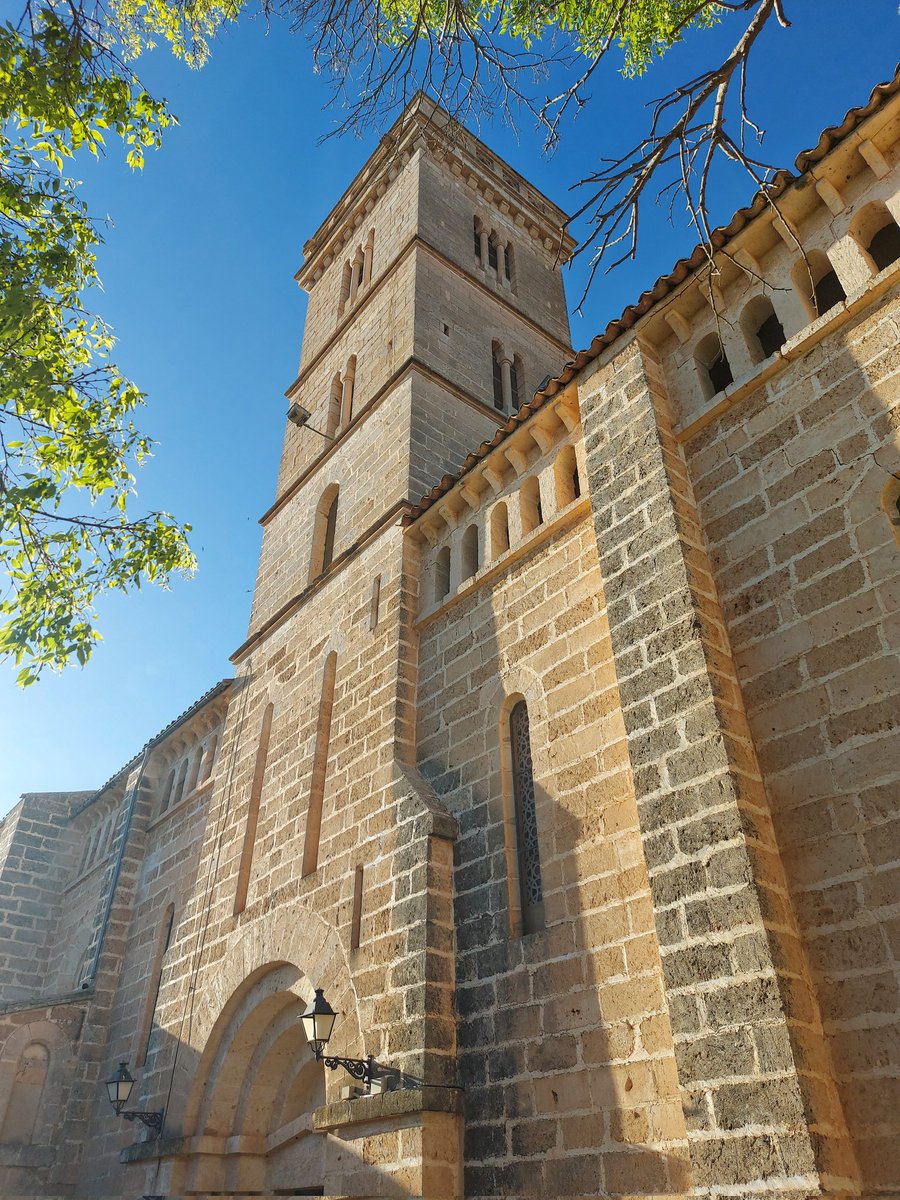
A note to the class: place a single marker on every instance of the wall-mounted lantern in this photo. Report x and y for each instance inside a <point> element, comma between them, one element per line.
<point>118,1088</point>
<point>318,1023</point>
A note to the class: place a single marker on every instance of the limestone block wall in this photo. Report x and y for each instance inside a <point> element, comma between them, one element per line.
<point>386,205</point>
<point>368,918</point>
<point>379,333</point>
<point>34,869</point>
<point>565,1048</point>
<point>448,205</point>
<point>475,320</point>
<point>789,482</point>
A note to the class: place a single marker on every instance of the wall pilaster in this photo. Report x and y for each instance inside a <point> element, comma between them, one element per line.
<point>755,1081</point>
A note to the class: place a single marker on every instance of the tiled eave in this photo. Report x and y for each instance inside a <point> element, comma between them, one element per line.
<point>805,162</point>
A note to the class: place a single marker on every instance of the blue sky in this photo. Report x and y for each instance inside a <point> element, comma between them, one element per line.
<point>198,283</point>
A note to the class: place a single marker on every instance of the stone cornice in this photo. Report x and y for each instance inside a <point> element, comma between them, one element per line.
<point>426,126</point>
<point>291,606</point>
<point>399,258</point>
<point>412,364</point>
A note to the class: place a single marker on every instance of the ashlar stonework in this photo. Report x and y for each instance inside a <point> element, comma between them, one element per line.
<point>561,752</point>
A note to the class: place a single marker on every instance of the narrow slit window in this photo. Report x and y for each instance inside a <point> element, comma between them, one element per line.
<point>151,1001</point>
<point>442,574</point>
<point>330,526</point>
<point>713,366</point>
<point>319,768</point>
<point>507,262</point>
<point>356,919</point>
<point>499,530</point>
<point>477,236</point>
<point>470,552</point>
<point>530,503</point>
<point>531,891</point>
<point>375,602</point>
<point>492,253</point>
<point>259,774</point>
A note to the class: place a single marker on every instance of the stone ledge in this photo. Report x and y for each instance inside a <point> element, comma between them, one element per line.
<point>404,1102</point>
<point>164,1147</point>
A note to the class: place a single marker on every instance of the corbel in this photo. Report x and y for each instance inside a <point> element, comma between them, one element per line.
<point>873,158</point>
<point>829,194</point>
<point>566,415</point>
<point>494,480</point>
<point>471,496</point>
<point>748,261</point>
<point>517,460</point>
<point>449,516</point>
<point>543,437</point>
<point>787,232</point>
<point>678,324</point>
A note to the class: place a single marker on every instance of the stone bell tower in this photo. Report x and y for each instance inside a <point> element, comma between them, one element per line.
<point>436,308</point>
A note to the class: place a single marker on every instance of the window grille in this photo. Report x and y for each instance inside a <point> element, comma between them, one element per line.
<point>530,885</point>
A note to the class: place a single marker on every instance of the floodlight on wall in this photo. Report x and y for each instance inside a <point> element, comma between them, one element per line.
<point>118,1089</point>
<point>299,416</point>
<point>318,1022</point>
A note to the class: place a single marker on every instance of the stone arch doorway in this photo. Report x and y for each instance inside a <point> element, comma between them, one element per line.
<point>248,1121</point>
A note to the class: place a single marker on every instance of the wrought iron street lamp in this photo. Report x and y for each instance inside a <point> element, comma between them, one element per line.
<point>318,1023</point>
<point>118,1088</point>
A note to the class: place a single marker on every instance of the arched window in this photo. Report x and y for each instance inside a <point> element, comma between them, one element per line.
<point>565,472</point>
<point>179,786</point>
<point>442,574</point>
<point>25,1098</point>
<point>166,798</point>
<point>151,999</point>
<point>209,758</point>
<point>334,406</point>
<point>194,770</point>
<point>324,527</point>
<point>508,268</point>
<point>320,768</point>
<point>530,504</point>
<point>492,252</point>
<point>369,255</point>
<point>817,282</point>
<point>470,552</point>
<point>476,229</point>
<point>763,331</point>
<point>528,855</point>
<point>878,235</point>
<point>259,775</point>
<point>347,392</point>
<point>346,281</point>
<point>712,365</point>
<point>499,530</point>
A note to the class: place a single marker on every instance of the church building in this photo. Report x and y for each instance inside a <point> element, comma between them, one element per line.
<point>545,841</point>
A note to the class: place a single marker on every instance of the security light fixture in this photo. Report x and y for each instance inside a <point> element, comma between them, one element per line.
<point>118,1088</point>
<point>299,416</point>
<point>318,1023</point>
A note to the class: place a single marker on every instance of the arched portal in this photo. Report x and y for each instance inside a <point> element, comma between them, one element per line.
<point>248,1121</point>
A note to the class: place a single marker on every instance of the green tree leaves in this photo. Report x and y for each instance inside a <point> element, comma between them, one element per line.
<point>67,443</point>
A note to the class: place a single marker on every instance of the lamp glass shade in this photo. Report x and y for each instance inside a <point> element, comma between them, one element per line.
<point>118,1087</point>
<point>318,1020</point>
